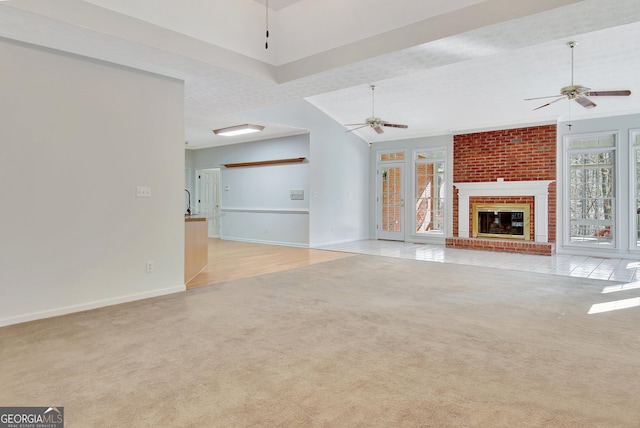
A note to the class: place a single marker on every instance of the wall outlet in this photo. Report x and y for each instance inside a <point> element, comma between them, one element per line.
<point>143,192</point>
<point>150,266</point>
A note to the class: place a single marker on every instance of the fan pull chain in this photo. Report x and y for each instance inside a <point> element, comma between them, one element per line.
<point>373,100</point>
<point>266,43</point>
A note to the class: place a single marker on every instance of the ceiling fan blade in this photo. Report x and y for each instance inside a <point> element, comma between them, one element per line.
<point>395,125</point>
<point>378,129</point>
<point>355,124</point>
<point>549,103</point>
<point>585,102</point>
<point>355,129</point>
<point>622,93</point>
<point>541,98</point>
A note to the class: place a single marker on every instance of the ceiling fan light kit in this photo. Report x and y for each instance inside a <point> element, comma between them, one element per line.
<point>374,122</point>
<point>580,93</point>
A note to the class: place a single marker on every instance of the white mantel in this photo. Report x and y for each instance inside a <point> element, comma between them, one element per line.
<point>539,189</point>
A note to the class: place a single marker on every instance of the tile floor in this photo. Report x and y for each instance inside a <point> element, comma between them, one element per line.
<point>623,270</point>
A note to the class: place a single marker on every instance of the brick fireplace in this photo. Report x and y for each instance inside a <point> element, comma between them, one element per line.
<point>515,167</point>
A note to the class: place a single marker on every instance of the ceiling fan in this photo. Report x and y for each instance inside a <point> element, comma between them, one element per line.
<point>374,122</point>
<point>579,93</point>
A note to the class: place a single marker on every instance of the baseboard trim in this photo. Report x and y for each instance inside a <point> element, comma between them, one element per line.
<point>259,241</point>
<point>342,241</point>
<point>33,316</point>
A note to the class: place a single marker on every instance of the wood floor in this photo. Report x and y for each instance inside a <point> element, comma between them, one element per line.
<point>229,260</point>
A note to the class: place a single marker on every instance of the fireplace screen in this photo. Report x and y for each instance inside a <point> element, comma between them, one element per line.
<point>502,221</point>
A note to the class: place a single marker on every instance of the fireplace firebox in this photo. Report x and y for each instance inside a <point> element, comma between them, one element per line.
<point>501,221</point>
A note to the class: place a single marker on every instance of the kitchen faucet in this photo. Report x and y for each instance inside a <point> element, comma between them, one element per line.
<point>189,204</point>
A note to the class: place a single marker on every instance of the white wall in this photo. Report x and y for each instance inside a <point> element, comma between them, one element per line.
<point>78,136</point>
<point>255,201</point>
<point>338,173</point>
<point>339,184</point>
<point>189,160</point>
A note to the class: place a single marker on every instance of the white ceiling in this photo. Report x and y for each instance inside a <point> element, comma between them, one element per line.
<point>439,66</point>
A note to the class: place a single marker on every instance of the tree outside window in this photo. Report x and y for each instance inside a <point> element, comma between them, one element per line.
<point>592,191</point>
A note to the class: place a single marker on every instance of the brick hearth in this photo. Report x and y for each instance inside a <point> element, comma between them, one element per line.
<point>508,246</point>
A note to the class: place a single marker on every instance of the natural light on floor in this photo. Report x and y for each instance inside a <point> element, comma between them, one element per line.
<point>621,287</point>
<point>617,304</point>
<point>614,306</point>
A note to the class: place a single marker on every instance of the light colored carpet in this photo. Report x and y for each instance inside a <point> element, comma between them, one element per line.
<point>363,341</point>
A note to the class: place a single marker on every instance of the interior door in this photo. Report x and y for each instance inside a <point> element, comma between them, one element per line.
<point>390,201</point>
<point>209,199</point>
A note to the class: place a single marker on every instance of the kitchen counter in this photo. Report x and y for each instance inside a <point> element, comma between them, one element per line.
<point>196,246</point>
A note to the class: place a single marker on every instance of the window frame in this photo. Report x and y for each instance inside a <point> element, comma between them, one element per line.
<point>381,153</point>
<point>566,191</point>
<point>382,163</point>
<point>414,196</point>
<point>634,202</point>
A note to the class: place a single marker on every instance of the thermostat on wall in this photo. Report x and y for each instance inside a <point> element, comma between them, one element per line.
<point>296,195</point>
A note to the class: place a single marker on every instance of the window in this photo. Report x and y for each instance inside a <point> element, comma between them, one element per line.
<point>429,188</point>
<point>591,167</point>
<point>635,213</point>
<point>390,156</point>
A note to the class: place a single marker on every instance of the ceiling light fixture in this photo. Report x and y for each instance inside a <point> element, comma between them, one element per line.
<point>238,130</point>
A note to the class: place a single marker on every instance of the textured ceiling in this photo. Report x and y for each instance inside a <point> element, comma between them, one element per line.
<point>439,66</point>
<point>277,4</point>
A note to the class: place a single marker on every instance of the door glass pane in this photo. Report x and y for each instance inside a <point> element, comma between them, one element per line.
<point>429,193</point>
<point>591,197</point>
<point>429,190</point>
<point>391,156</point>
<point>391,199</point>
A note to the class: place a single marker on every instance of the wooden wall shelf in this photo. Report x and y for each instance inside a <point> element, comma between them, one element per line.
<point>262,163</point>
